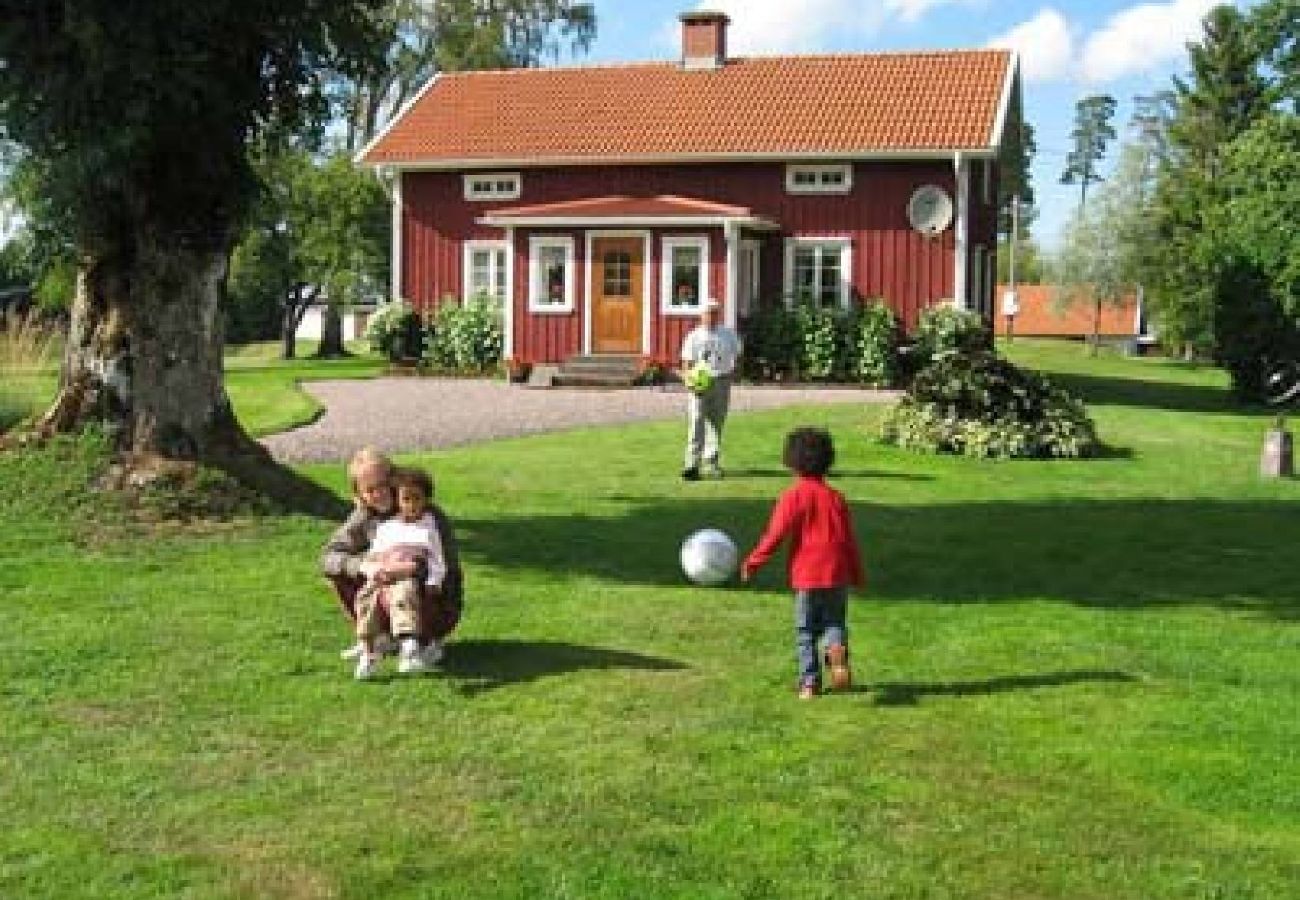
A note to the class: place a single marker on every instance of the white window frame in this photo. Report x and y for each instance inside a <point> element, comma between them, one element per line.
<point>494,191</point>
<point>536,292</point>
<point>467,267</point>
<point>843,244</point>
<point>819,170</point>
<point>700,242</point>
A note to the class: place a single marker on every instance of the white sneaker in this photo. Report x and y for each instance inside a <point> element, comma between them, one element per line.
<point>367,667</point>
<point>410,658</point>
<point>384,646</point>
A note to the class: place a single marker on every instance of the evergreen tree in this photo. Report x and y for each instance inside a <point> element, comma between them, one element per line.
<point>1092,132</point>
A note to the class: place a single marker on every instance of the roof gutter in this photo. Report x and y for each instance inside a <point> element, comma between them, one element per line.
<point>533,162</point>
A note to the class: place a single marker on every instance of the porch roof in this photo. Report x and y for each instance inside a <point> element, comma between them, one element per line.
<point>664,210</point>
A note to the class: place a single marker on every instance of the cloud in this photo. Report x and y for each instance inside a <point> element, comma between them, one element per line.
<point>1142,39</point>
<point>914,10</point>
<point>1045,44</point>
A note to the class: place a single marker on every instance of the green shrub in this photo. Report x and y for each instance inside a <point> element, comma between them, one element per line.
<point>946,329</point>
<point>466,338</point>
<point>805,343</point>
<point>394,330</point>
<point>872,346</point>
<point>977,404</point>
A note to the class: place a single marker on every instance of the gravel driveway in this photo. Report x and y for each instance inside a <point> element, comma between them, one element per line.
<point>400,414</point>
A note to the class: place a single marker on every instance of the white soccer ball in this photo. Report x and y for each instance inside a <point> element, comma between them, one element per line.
<point>709,556</point>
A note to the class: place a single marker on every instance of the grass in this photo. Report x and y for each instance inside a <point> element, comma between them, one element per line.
<point>1076,679</point>
<point>265,390</point>
<point>29,353</point>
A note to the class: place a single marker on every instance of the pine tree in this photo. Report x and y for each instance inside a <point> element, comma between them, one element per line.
<point>1092,132</point>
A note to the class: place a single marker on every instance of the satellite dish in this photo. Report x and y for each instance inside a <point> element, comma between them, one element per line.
<point>929,209</point>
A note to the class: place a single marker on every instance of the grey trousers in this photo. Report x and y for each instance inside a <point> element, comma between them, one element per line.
<point>705,414</point>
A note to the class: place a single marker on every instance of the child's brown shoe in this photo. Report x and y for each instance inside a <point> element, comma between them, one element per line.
<point>837,660</point>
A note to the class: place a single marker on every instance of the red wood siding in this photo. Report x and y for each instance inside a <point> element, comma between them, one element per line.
<point>890,261</point>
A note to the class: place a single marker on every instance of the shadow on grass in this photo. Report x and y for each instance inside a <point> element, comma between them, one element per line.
<point>1105,391</point>
<point>851,473</point>
<point>910,693</point>
<point>489,664</point>
<point>1119,554</point>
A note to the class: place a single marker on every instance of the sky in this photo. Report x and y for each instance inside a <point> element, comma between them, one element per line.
<point>1068,50</point>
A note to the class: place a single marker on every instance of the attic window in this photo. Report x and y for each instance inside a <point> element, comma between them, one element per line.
<point>492,186</point>
<point>836,178</point>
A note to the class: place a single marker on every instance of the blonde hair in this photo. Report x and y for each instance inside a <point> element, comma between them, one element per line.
<point>367,458</point>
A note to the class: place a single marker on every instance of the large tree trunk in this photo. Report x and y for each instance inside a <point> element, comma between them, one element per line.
<point>331,332</point>
<point>144,354</point>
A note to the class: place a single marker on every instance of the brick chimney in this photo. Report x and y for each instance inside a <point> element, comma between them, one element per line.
<point>704,39</point>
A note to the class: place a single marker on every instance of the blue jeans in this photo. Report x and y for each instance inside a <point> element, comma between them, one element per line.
<point>819,612</point>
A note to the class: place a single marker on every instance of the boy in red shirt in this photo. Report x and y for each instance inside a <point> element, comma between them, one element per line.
<point>824,558</point>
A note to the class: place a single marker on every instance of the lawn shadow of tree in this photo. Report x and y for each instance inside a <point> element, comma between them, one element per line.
<point>484,665</point>
<point>896,693</point>
<point>1119,391</point>
<point>1120,554</point>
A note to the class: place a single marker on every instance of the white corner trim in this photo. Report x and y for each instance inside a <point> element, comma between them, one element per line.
<point>666,246</point>
<point>732,237</point>
<point>535,245</point>
<point>508,335</point>
<point>396,274</point>
<point>589,300</point>
<point>1004,102</point>
<point>846,265</point>
<point>360,156</point>
<point>961,250</point>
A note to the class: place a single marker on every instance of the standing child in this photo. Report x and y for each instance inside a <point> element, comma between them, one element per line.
<point>404,562</point>
<point>824,559</point>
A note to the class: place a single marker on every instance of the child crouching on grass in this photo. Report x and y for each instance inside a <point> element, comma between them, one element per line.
<point>824,559</point>
<point>405,561</point>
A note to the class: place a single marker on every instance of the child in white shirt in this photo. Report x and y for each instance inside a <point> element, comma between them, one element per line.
<point>405,560</point>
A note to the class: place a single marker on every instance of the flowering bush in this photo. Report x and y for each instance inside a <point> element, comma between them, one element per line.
<point>946,329</point>
<point>394,330</point>
<point>979,405</point>
<point>811,344</point>
<point>466,338</point>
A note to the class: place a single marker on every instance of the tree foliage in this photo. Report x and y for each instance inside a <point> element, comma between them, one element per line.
<point>320,230</point>
<point>139,113</point>
<point>423,37</point>
<point>1092,133</point>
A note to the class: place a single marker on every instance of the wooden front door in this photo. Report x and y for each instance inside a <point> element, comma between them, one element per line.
<point>617,292</point>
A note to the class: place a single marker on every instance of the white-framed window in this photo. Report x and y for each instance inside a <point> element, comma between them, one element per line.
<point>683,282</point>
<point>492,186</point>
<point>484,270</point>
<point>818,271</point>
<point>550,274</point>
<point>833,178</point>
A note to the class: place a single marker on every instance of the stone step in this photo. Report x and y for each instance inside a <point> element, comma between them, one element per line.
<point>593,364</point>
<point>594,379</point>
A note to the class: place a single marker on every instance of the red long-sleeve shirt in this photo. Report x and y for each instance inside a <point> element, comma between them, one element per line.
<point>823,548</point>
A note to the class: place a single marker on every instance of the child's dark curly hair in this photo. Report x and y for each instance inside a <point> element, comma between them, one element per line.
<point>809,451</point>
<point>414,478</point>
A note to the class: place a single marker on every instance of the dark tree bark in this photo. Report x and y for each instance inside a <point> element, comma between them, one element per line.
<point>331,333</point>
<point>297,300</point>
<point>144,353</point>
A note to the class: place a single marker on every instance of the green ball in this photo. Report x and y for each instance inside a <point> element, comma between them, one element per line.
<point>699,378</point>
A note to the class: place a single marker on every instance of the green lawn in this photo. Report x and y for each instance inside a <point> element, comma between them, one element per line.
<point>1076,680</point>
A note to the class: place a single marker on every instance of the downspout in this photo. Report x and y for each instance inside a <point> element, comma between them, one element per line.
<point>961,250</point>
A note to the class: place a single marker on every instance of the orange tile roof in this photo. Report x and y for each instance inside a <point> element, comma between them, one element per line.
<point>1041,315</point>
<point>781,105</point>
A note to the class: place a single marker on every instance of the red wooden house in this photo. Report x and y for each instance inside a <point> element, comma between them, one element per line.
<point>603,204</point>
